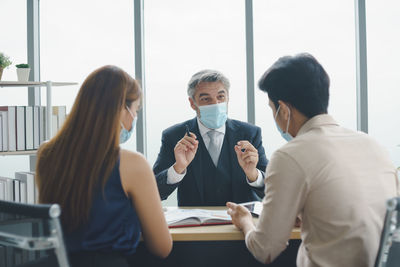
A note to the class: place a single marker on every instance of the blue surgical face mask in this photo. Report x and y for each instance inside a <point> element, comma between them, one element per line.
<point>125,134</point>
<point>286,135</point>
<point>213,116</point>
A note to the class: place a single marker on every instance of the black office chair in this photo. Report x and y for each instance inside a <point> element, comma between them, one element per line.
<point>31,235</point>
<point>389,247</point>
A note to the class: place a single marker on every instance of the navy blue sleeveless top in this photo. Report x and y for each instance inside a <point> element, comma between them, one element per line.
<point>113,224</point>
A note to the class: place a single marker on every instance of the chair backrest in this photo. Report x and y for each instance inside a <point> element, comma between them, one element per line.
<point>31,227</point>
<point>389,247</point>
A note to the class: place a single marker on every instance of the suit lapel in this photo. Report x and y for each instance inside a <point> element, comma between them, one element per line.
<point>196,163</point>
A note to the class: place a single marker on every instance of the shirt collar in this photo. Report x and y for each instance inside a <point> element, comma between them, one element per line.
<point>317,121</point>
<point>204,130</point>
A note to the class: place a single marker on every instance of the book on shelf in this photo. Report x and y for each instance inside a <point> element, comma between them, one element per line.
<point>58,118</point>
<point>61,113</point>
<point>54,122</point>
<point>24,127</point>
<point>28,127</point>
<point>17,190</point>
<point>10,127</point>
<point>195,217</point>
<point>22,190</point>
<point>42,124</point>
<point>1,132</point>
<point>4,129</point>
<point>27,186</point>
<point>20,121</point>
<point>36,134</point>
<point>255,207</point>
<point>8,188</point>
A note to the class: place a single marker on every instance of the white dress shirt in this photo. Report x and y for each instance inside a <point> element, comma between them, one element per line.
<point>338,181</point>
<point>174,177</point>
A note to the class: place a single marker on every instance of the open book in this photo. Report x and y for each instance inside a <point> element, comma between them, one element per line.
<point>196,217</point>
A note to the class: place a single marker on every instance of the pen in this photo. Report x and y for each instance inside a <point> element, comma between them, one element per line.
<point>187,130</point>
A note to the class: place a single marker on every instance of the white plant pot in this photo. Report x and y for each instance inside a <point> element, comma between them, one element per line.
<point>23,74</point>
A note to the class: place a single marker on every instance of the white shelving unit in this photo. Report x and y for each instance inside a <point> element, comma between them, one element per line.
<point>16,153</point>
<point>48,85</point>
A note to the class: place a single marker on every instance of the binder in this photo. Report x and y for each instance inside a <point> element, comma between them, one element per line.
<point>11,126</point>
<point>42,124</point>
<point>1,132</point>
<point>28,191</point>
<point>20,123</point>
<point>36,131</point>
<point>4,115</point>
<point>29,127</point>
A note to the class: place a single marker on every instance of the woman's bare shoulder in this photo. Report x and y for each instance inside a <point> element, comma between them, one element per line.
<point>135,171</point>
<point>131,154</point>
<point>133,161</point>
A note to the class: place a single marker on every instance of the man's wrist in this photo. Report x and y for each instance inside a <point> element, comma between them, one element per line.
<point>253,175</point>
<point>179,169</point>
<point>248,226</point>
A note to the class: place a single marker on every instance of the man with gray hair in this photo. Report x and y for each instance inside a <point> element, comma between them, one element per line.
<point>211,159</point>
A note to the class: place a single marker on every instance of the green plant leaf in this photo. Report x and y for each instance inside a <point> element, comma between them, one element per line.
<point>4,61</point>
<point>22,66</point>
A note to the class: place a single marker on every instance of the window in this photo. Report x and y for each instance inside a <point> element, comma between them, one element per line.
<point>78,37</point>
<point>383,74</point>
<point>324,29</point>
<point>181,38</point>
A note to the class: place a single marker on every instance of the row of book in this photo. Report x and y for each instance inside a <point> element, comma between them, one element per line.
<point>24,127</point>
<point>21,189</point>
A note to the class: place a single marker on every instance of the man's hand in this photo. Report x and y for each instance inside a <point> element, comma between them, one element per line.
<point>247,156</point>
<point>241,217</point>
<point>184,151</point>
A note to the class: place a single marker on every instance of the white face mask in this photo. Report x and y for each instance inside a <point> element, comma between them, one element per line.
<point>125,134</point>
<point>214,116</point>
<point>286,135</point>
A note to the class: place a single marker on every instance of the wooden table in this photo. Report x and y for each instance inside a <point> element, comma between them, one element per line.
<point>225,232</point>
<point>214,245</point>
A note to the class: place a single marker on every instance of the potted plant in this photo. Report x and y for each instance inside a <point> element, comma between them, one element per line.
<point>4,63</point>
<point>23,72</point>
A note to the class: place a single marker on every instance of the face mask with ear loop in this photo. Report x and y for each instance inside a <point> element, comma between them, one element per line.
<point>286,135</point>
<point>214,116</point>
<point>125,134</point>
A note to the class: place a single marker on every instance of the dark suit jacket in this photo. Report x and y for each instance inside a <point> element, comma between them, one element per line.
<point>191,189</point>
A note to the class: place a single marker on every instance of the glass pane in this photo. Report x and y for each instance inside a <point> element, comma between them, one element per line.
<point>13,43</point>
<point>78,37</point>
<point>325,29</point>
<point>181,38</point>
<point>383,57</point>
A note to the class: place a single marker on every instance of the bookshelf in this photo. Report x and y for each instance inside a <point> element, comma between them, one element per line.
<point>48,85</point>
<point>16,153</point>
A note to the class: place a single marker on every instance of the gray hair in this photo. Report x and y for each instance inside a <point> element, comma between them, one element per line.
<point>206,76</point>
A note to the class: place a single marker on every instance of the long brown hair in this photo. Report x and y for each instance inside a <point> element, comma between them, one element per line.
<point>86,148</point>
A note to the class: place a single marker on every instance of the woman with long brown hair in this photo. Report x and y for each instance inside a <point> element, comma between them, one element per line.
<point>108,195</point>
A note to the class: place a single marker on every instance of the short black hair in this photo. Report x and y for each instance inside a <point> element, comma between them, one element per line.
<point>299,80</point>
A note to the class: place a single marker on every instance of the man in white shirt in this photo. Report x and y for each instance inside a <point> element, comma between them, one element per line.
<point>337,180</point>
<point>211,159</point>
